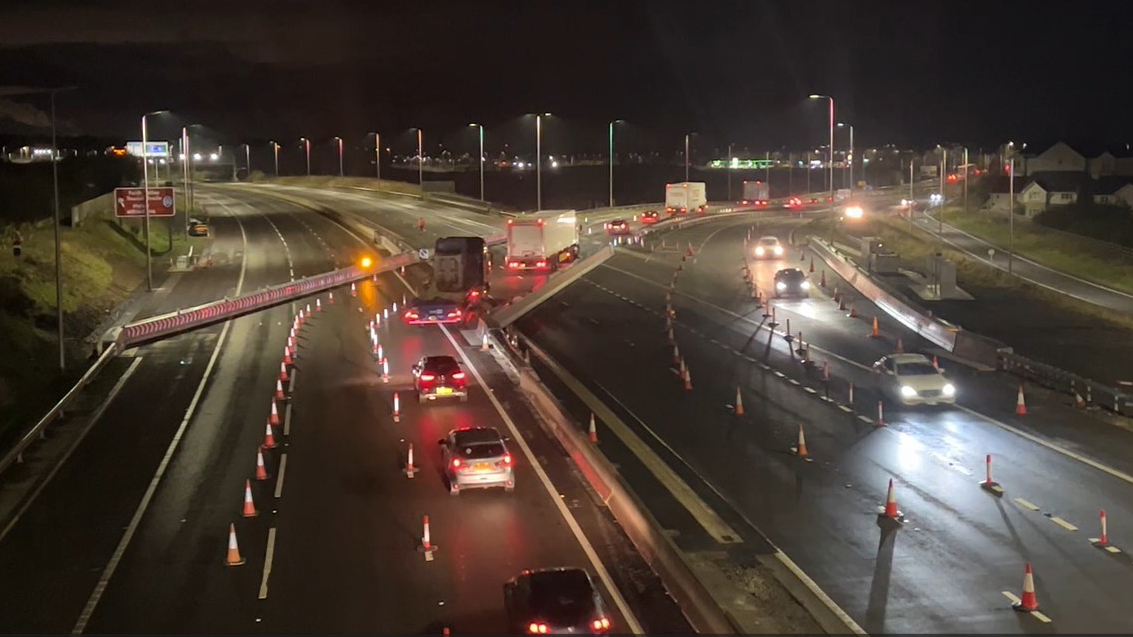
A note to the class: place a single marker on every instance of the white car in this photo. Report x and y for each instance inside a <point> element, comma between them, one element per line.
<point>912,379</point>
<point>768,247</point>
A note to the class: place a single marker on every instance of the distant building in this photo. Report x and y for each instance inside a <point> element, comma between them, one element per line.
<point>1113,190</point>
<point>1058,158</point>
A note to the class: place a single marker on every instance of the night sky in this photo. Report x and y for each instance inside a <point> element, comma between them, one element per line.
<point>911,73</point>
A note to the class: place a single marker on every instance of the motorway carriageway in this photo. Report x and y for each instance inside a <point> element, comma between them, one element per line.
<point>958,557</point>
<point>338,520</point>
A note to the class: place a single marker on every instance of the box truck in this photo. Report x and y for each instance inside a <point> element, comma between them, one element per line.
<point>756,193</point>
<point>541,241</point>
<point>685,196</point>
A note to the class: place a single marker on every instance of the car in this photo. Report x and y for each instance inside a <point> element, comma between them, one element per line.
<point>650,217</point>
<point>791,282</point>
<point>439,377</point>
<point>912,379</point>
<point>476,458</point>
<point>768,247</point>
<point>555,600</point>
<point>793,202</point>
<point>617,226</point>
<point>198,229</point>
<point>435,310</point>
<point>814,200</point>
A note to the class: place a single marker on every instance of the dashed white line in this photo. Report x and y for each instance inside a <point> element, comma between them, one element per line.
<point>1026,504</point>
<point>287,420</point>
<point>282,472</point>
<point>267,563</point>
<point>1063,523</point>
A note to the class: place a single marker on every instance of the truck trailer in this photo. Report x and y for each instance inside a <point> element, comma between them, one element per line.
<point>541,241</point>
<point>685,196</point>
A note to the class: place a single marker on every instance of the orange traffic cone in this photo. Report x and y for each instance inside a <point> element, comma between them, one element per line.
<point>842,304</point>
<point>812,264</point>
<point>426,543</point>
<point>800,449</point>
<point>1029,602</point>
<point>410,470</point>
<point>261,469</point>
<point>739,402</point>
<point>880,415</point>
<point>935,363</point>
<point>318,305</point>
<point>269,439</point>
<point>690,252</point>
<point>891,511</point>
<point>822,281</point>
<point>1104,539</point>
<point>676,355</point>
<point>593,430</point>
<point>1020,404</point>
<point>875,331</point>
<point>330,298</point>
<point>279,390</point>
<point>283,371</point>
<point>837,295</point>
<point>396,407</point>
<point>353,290</point>
<point>853,309</point>
<point>249,505</point>
<point>286,356</point>
<point>687,376</point>
<point>900,345</point>
<point>233,558</point>
<point>274,417</point>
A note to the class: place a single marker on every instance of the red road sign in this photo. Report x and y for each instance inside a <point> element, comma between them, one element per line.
<point>128,202</point>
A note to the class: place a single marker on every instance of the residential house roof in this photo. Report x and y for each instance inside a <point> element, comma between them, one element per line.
<point>1001,184</point>
<point>1060,181</point>
<point>1111,184</point>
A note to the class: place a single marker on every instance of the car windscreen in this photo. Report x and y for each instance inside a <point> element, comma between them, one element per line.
<point>915,369</point>
<point>442,366</point>
<point>562,598</point>
<point>769,242</point>
<point>481,450</point>
<point>791,275</point>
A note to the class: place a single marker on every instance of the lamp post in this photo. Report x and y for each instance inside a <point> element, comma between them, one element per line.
<point>145,197</point>
<point>481,135</point>
<point>850,157</point>
<point>58,222</point>
<point>686,155</point>
<point>378,158</point>
<point>728,167</point>
<point>248,159</point>
<point>539,160</point>
<point>339,140</point>
<point>275,155</point>
<point>307,143</point>
<point>940,213</point>
<point>965,179</point>
<point>1010,206</point>
<point>612,160</point>
<point>830,155</point>
<point>420,159</point>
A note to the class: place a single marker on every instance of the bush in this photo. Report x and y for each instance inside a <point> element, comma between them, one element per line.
<point>1104,222</point>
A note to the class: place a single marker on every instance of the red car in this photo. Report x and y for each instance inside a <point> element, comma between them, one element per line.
<point>794,202</point>
<point>617,226</point>
<point>650,217</point>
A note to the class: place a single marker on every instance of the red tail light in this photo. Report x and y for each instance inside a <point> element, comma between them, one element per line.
<point>427,377</point>
<point>600,624</point>
<point>454,314</point>
<point>411,314</point>
<point>512,264</point>
<point>507,460</point>
<point>458,376</point>
<point>474,293</point>
<point>537,628</point>
<point>540,264</point>
<point>456,463</point>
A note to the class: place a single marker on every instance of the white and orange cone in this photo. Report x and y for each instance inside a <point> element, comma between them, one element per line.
<point>274,417</point>
<point>282,371</point>
<point>287,356</point>
<point>1029,602</point>
<point>279,390</point>
<point>269,439</point>
<point>1020,404</point>
<point>426,542</point>
<point>330,298</point>
<point>593,430</point>
<point>988,483</point>
<point>233,558</point>
<point>686,376</point>
<point>318,305</point>
<point>1104,539</point>
<point>249,505</point>
<point>261,468</point>
<point>396,407</point>
<point>410,470</point>
<point>800,448</point>
<point>880,414</point>
<point>739,402</point>
<point>891,511</point>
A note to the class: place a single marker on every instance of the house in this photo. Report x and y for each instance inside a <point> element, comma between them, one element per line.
<point>999,192</point>
<point>1034,198</point>
<point>1058,158</point>
<point>1051,188</point>
<point>1113,190</point>
<point>1124,195</point>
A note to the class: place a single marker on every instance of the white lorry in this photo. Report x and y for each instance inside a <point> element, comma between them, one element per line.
<point>541,241</point>
<point>756,193</point>
<point>684,196</point>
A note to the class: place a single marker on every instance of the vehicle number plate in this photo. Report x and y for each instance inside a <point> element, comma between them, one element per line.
<point>444,391</point>
<point>482,466</point>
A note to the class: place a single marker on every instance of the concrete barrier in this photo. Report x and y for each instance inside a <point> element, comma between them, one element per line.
<point>555,283</point>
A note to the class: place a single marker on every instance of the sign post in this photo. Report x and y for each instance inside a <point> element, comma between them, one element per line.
<point>128,202</point>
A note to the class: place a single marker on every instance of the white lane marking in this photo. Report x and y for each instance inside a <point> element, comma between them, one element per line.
<point>287,420</point>
<point>282,473</point>
<point>294,381</point>
<point>74,445</point>
<point>116,557</point>
<point>830,604</point>
<point>267,563</point>
<point>600,568</point>
<point>1063,523</point>
<point>1027,504</point>
<point>1117,473</point>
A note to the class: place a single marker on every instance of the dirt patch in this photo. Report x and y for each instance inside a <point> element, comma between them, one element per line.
<point>779,611</point>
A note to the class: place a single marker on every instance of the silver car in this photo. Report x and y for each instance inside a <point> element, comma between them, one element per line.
<point>477,457</point>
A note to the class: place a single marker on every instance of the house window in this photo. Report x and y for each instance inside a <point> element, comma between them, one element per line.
<point>1065,196</point>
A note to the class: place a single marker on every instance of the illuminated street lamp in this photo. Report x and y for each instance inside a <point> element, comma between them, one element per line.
<point>539,160</point>
<point>850,157</point>
<point>248,159</point>
<point>612,160</point>
<point>420,157</point>
<point>145,196</point>
<point>481,132</point>
<point>378,156</point>
<point>830,155</point>
<point>307,143</point>
<point>275,155</point>
<point>339,140</point>
<point>686,155</point>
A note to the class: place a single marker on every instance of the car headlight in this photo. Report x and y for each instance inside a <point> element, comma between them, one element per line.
<point>908,392</point>
<point>779,250</point>
<point>805,285</point>
<point>759,251</point>
<point>780,286</point>
<point>949,390</point>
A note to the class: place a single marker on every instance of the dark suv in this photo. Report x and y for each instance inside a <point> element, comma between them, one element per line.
<point>791,282</point>
<point>555,600</point>
<point>439,377</point>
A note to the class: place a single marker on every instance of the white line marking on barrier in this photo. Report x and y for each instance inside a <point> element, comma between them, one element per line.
<point>267,563</point>
<point>282,472</point>
<point>116,557</point>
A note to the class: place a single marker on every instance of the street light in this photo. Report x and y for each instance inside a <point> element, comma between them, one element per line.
<point>612,160</point>
<point>307,142</point>
<point>1010,206</point>
<point>248,160</point>
<point>378,157</point>
<point>539,160</point>
<point>481,132</point>
<point>145,196</point>
<point>686,155</point>
<point>339,139</point>
<point>275,153</point>
<point>420,159</point>
<point>850,158</point>
<point>815,96</point>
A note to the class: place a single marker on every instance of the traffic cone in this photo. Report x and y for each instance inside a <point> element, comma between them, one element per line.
<point>261,469</point>
<point>822,280</point>
<point>353,290</point>
<point>825,371</point>
<point>891,511</point>
<point>1079,402</point>
<point>593,429</point>
<point>385,370</point>
<point>739,402</point>
<point>900,345</point>
<point>269,438</point>
<point>279,390</point>
<point>410,470</point>
<point>690,252</point>
<point>233,558</point>
<point>1029,602</point>
<point>672,338</point>
<point>484,342</point>
<point>875,331</point>
<point>404,298</point>
<point>330,298</point>
<point>853,309</point>
<point>318,305</point>
<point>308,314</point>
<point>935,363</point>
<point>880,415</point>
<point>812,265</point>
<point>274,417</point>
<point>282,371</point>
<point>396,407</point>
<point>1020,404</point>
<point>249,505</point>
<point>286,357</point>
<point>426,543</point>
<point>988,484</point>
<point>677,356</point>
<point>837,295</point>
<point>850,399</point>
<point>800,448</point>
<point>802,256</point>
<point>291,341</point>
<point>842,304</point>
<point>688,377</point>
<point>1104,539</point>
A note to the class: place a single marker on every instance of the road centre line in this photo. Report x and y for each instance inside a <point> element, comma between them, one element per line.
<point>267,563</point>
<point>282,473</point>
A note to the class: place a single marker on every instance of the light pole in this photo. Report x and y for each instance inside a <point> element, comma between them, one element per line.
<point>307,142</point>
<point>539,160</point>
<point>58,223</point>
<point>728,167</point>
<point>686,155</point>
<point>830,155</point>
<point>248,159</point>
<point>965,180</point>
<point>481,135</point>
<point>420,160</point>
<point>378,158</point>
<point>850,157</point>
<point>1010,206</point>
<point>612,160</point>
<point>940,213</point>
<point>275,155</point>
<point>145,197</point>
<point>339,140</point>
